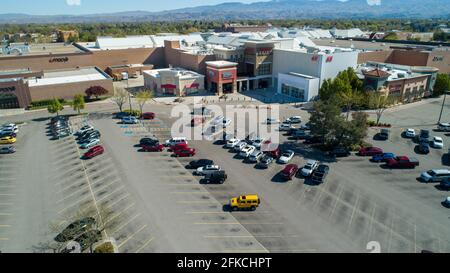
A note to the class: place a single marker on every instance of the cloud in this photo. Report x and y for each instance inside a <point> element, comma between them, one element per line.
<point>73,2</point>
<point>374,2</point>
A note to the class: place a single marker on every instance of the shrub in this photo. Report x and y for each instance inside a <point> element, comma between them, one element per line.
<point>179,100</point>
<point>96,91</point>
<point>104,248</point>
<point>134,113</point>
<point>45,103</point>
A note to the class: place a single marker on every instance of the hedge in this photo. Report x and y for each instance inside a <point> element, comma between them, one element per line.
<point>104,248</point>
<point>134,113</point>
<point>43,103</point>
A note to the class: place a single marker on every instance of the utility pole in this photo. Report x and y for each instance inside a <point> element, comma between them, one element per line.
<point>442,108</point>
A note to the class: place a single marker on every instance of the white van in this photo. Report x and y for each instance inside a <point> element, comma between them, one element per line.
<point>435,175</point>
<point>175,141</point>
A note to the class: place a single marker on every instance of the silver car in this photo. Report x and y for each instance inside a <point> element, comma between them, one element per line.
<point>255,156</point>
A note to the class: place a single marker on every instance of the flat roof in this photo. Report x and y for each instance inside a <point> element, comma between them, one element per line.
<point>48,49</point>
<point>221,64</point>
<point>68,76</point>
<point>180,72</point>
<point>300,75</point>
<point>364,45</point>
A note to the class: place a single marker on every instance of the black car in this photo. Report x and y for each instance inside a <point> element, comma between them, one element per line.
<point>340,152</point>
<point>320,174</point>
<point>86,133</point>
<point>265,162</point>
<point>218,177</point>
<point>424,148</point>
<point>424,136</point>
<point>90,134</point>
<point>445,185</point>
<point>149,141</point>
<point>121,115</point>
<point>200,163</point>
<point>75,229</point>
<point>383,134</point>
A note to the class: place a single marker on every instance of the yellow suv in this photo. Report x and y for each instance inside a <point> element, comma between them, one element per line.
<point>7,140</point>
<point>245,202</point>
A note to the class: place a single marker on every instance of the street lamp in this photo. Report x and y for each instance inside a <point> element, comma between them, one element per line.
<point>442,108</point>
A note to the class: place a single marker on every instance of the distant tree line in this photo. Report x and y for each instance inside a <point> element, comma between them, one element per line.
<point>88,32</point>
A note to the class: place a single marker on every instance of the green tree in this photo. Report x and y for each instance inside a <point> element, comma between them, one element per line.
<point>441,85</point>
<point>78,103</point>
<point>142,98</point>
<point>391,36</point>
<point>55,107</point>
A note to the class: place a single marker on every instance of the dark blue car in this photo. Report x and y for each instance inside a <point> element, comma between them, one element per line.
<point>383,157</point>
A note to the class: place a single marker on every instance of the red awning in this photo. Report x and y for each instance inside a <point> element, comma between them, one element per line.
<point>168,86</point>
<point>194,85</point>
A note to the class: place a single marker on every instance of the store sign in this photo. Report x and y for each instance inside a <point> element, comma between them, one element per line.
<point>59,60</point>
<point>227,75</point>
<point>315,58</point>
<point>7,89</point>
<point>438,58</point>
<point>329,59</point>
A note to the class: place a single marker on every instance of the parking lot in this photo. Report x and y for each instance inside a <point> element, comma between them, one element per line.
<point>158,205</point>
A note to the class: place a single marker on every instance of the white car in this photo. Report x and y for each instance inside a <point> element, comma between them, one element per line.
<point>226,122</point>
<point>241,145</point>
<point>295,119</point>
<point>10,128</point>
<point>175,141</point>
<point>90,144</point>
<point>258,142</point>
<point>255,156</point>
<point>286,157</point>
<point>272,121</point>
<point>285,126</point>
<point>447,202</point>
<point>411,133</point>
<point>309,168</point>
<point>445,127</point>
<point>207,170</point>
<point>438,142</point>
<point>233,142</point>
<point>247,151</point>
<point>130,120</point>
<point>84,129</point>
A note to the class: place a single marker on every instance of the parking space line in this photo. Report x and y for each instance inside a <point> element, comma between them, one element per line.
<point>126,223</point>
<point>119,200</point>
<point>391,233</point>
<point>131,236</point>
<point>6,204</point>
<point>4,239</point>
<point>72,194</point>
<point>372,218</point>
<point>5,226</point>
<point>7,194</point>
<point>105,186</point>
<point>120,213</point>
<point>338,200</point>
<point>249,236</point>
<point>190,192</point>
<point>236,223</point>
<point>74,204</point>
<point>111,193</point>
<point>5,214</point>
<point>354,211</point>
<point>197,202</point>
<point>144,245</point>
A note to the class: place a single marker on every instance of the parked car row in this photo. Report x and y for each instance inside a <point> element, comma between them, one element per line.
<point>88,137</point>
<point>60,127</point>
<point>8,135</point>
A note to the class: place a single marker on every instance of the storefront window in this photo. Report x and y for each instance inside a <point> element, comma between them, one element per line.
<point>293,91</point>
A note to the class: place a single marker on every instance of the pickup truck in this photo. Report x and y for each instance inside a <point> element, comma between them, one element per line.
<point>402,162</point>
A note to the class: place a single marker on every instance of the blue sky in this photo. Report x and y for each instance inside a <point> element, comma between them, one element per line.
<point>51,7</point>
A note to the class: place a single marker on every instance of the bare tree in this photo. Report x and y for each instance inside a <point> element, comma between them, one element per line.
<point>120,97</point>
<point>379,102</point>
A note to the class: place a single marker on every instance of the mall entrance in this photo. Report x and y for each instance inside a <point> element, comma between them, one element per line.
<point>9,101</point>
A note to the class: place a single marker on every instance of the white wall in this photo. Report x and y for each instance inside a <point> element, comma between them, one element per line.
<point>286,61</point>
<point>311,86</point>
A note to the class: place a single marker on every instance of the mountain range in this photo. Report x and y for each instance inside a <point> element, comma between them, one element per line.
<point>269,10</point>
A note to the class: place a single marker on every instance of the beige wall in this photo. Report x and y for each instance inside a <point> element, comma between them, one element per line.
<point>67,91</point>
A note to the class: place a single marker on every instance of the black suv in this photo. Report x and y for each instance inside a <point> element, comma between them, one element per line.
<point>320,174</point>
<point>383,134</point>
<point>340,152</point>
<point>200,163</point>
<point>424,148</point>
<point>424,136</point>
<point>149,141</point>
<point>218,177</point>
<point>445,185</point>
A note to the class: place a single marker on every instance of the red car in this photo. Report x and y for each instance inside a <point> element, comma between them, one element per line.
<point>289,171</point>
<point>178,146</point>
<point>154,148</point>
<point>94,151</point>
<point>148,115</point>
<point>197,121</point>
<point>275,154</point>
<point>185,152</point>
<point>370,151</point>
<point>402,162</point>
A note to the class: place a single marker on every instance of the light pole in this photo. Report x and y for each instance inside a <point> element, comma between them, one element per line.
<point>442,108</point>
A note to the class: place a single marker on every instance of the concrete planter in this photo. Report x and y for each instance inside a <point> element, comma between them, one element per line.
<point>110,240</point>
